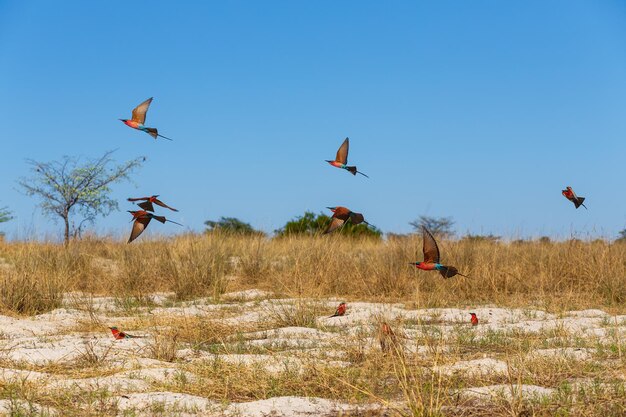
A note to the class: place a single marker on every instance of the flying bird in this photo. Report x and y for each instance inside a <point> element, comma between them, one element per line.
<point>118,335</point>
<point>341,215</point>
<point>147,203</point>
<point>341,310</point>
<point>341,160</point>
<point>571,196</point>
<point>474,319</point>
<point>139,118</point>
<point>431,258</point>
<point>141,220</point>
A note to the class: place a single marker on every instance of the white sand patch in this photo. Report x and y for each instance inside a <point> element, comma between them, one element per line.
<point>246,295</point>
<point>289,406</point>
<point>591,313</point>
<point>476,367</point>
<point>17,407</point>
<point>19,375</point>
<point>565,353</point>
<point>169,402</point>
<point>507,391</point>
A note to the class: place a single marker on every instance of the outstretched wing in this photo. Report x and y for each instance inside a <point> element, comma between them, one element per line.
<point>147,206</point>
<point>431,250</point>
<point>357,218</point>
<point>139,112</point>
<point>334,224</point>
<point>138,199</point>
<point>342,152</point>
<point>138,227</point>
<point>162,204</point>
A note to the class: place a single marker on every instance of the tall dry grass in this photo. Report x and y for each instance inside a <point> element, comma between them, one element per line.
<point>559,275</point>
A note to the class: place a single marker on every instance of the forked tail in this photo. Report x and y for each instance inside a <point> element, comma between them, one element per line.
<point>354,171</point>
<point>155,133</point>
<point>450,271</point>
<point>579,202</point>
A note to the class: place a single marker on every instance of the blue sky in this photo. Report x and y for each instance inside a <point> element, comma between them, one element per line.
<point>482,111</point>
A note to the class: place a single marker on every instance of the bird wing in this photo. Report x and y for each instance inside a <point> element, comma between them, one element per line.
<point>147,206</point>
<point>431,250</point>
<point>162,204</point>
<point>138,199</point>
<point>139,112</point>
<point>342,152</point>
<point>334,224</point>
<point>357,218</point>
<point>139,226</point>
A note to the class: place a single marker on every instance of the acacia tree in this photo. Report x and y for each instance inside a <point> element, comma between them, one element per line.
<point>438,226</point>
<point>68,187</point>
<point>5,216</point>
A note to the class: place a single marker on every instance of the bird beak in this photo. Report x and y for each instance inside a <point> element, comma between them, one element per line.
<point>328,161</point>
<point>331,208</point>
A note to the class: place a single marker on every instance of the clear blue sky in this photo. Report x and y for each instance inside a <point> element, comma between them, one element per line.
<point>479,110</point>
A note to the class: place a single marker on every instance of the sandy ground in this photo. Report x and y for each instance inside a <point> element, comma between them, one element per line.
<point>134,377</point>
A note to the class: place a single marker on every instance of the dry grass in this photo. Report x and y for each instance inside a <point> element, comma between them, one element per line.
<point>564,275</point>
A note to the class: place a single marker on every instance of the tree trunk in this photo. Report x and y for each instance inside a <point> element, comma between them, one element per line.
<point>67,229</point>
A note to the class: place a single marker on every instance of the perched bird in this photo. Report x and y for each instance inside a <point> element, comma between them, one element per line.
<point>386,337</point>
<point>147,203</point>
<point>118,335</point>
<point>341,310</point>
<point>571,196</point>
<point>341,160</point>
<point>431,258</point>
<point>139,118</point>
<point>141,220</point>
<point>474,319</point>
<point>341,215</point>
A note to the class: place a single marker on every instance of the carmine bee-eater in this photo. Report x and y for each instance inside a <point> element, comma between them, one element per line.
<point>386,337</point>
<point>341,160</point>
<point>341,215</point>
<point>139,118</point>
<point>431,258</point>
<point>118,335</point>
<point>341,310</point>
<point>571,196</point>
<point>141,220</point>
<point>147,203</point>
<point>474,319</point>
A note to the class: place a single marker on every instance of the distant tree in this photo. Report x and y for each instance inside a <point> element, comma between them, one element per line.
<point>545,239</point>
<point>481,238</point>
<point>438,226</point>
<point>68,188</point>
<point>5,216</point>
<point>231,225</point>
<point>622,236</point>
<point>312,224</point>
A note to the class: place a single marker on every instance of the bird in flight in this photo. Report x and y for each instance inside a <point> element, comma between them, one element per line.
<point>571,196</point>
<point>118,335</point>
<point>341,310</point>
<point>139,118</point>
<point>431,258</point>
<point>147,203</point>
<point>341,215</point>
<point>474,319</point>
<point>141,220</point>
<point>341,160</point>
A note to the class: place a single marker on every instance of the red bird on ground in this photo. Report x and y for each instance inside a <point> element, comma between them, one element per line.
<point>474,319</point>
<point>118,335</point>
<point>571,196</point>
<point>341,215</point>
<point>431,258</point>
<point>341,160</point>
<point>341,310</point>
<point>386,337</point>
<point>139,118</point>
<point>148,201</point>
<point>141,220</point>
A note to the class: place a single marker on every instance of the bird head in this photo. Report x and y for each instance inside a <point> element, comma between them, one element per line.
<point>113,328</point>
<point>414,263</point>
<point>123,120</point>
<point>332,209</point>
<point>473,314</point>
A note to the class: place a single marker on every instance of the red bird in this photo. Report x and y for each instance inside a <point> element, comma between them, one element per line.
<point>571,196</point>
<point>431,258</point>
<point>341,310</point>
<point>341,215</point>
<point>118,335</point>
<point>139,118</point>
<point>386,337</point>
<point>142,219</point>
<point>474,319</point>
<point>341,160</point>
<point>147,203</point>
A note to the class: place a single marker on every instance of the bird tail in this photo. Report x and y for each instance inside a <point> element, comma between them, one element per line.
<point>450,271</point>
<point>155,133</point>
<point>359,172</point>
<point>352,170</point>
<point>173,222</point>
<point>579,202</point>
